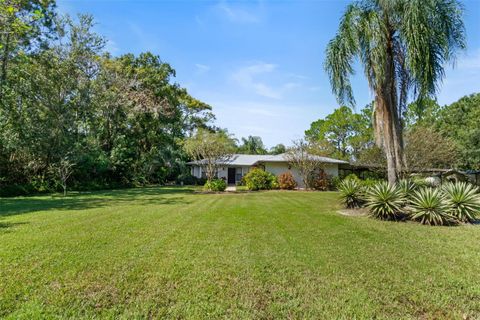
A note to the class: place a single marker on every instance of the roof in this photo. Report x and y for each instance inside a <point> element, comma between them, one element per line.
<point>252,159</point>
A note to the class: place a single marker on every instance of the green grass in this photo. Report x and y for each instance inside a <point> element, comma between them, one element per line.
<point>168,252</point>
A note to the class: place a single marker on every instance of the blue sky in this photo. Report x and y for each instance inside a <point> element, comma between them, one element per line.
<point>257,63</point>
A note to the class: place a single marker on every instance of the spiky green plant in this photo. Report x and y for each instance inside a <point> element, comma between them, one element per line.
<point>385,201</point>
<point>407,187</point>
<point>428,206</point>
<point>463,199</point>
<point>351,193</point>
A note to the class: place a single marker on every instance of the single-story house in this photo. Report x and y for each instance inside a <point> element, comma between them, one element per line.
<point>238,165</point>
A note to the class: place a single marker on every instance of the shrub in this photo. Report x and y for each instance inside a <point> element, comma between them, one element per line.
<point>241,182</point>
<point>319,181</point>
<point>419,182</point>
<point>463,200</point>
<point>215,185</point>
<point>428,206</point>
<point>385,201</point>
<point>15,190</point>
<point>369,182</point>
<point>286,181</point>
<point>335,182</point>
<point>200,181</point>
<point>351,193</point>
<point>258,179</point>
<point>352,176</point>
<point>186,179</point>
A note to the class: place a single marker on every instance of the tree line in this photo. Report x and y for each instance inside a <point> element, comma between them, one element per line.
<point>434,136</point>
<point>73,114</point>
<point>71,111</point>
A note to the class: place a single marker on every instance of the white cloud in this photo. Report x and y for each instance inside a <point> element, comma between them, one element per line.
<point>261,111</point>
<point>202,68</point>
<point>462,79</point>
<point>111,47</point>
<point>236,14</point>
<point>146,41</point>
<point>199,21</point>
<point>266,91</point>
<point>291,85</point>
<point>245,77</point>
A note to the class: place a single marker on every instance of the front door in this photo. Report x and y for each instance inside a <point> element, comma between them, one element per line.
<point>231,176</point>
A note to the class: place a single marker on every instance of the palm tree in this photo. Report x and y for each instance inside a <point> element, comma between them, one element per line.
<point>253,145</point>
<point>403,46</point>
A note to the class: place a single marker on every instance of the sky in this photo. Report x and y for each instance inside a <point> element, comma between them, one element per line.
<point>259,64</point>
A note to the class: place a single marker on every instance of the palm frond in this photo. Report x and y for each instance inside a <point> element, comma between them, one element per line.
<point>340,53</point>
<point>433,32</point>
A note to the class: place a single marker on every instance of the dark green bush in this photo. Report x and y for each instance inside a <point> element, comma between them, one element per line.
<point>335,182</point>
<point>15,190</point>
<point>258,179</point>
<point>366,183</point>
<point>185,179</point>
<point>215,185</point>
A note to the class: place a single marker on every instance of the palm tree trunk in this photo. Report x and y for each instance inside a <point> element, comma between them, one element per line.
<point>388,128</point>
<point>385,133</point>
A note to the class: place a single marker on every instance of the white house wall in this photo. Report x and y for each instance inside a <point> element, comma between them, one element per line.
<point>276,168</point>
<point>222,173</point>
<point>331,169</point>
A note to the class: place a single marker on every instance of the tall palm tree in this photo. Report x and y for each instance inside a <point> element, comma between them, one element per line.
<point>403,46</point>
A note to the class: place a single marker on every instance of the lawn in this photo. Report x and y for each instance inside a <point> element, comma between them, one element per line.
<point>173,253</point>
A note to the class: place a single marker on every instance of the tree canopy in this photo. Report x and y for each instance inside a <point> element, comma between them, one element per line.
<point>210,149</point>
<point>118,120</point>
<point>435,136</point>
<point>252,145</point>
<point>343,134</point>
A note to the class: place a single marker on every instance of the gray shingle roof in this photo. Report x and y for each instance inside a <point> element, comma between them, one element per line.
<point>251,159</point>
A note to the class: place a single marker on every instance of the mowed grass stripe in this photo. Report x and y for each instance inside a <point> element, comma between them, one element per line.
<point>168,252</point>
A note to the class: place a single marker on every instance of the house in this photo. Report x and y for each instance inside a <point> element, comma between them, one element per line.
<point>238,165</point>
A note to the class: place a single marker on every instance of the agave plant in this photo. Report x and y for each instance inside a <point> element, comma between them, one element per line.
<point>385,201</point>
<point>463,199</point>
<point>428,206</point>
<point>407,187</point>
<point>351,193</point>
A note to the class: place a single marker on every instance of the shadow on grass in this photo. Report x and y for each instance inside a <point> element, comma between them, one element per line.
<point>8,225</point>
<point>95,199</point>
